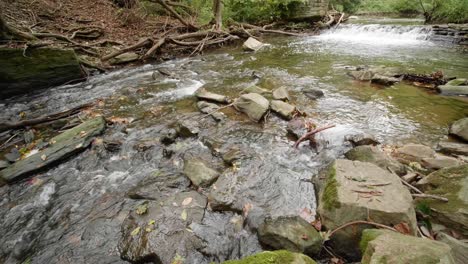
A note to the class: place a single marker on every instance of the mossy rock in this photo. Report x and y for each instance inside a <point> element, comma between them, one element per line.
<point>376,156</point>
<point>384,246</point>
<point>274,257</point>
<point>24,71</point>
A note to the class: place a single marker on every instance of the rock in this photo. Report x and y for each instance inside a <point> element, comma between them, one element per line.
<point>375,156</point>
<point>414,153</point>
<point>203,94</point>
<point>384,80</point>
<point>452,148</point>
<point>460,128</point>
<point>451,183</point>
<point>169,137</point>
<point>313,93</point>
<point>4,164</point>
<point>252,44</point>
<point>252,104</point>
<point>232,155</point>
<point>255,89</point>
<point>457,82</point>
<point>459,248</point>
<point>161,181</point>
<point>63,146</point>
<point>156,231</point>
<point>200,174</point>
<point>274,257</point>
<point>296,127</point>
<point>36,69</point>
<point>13,155</point>
<point>187,128</point>
<point>283,109</point>
<point>340,203</point>
<point>361,75</point>
<point>384,246</point>
<point>124,58</point>
<point>362,139</point>
<point>209,108</point>
<point>292,233</point>
<point>439,162</point>
<point>453,90</point>
<point>281,94</point>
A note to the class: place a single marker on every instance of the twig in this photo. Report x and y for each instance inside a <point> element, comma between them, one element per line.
<point>435,197</point>
<point>308,134</point>
<point>361,222</point>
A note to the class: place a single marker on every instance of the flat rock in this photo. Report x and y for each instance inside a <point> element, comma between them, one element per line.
<point>346,196</point>
<point>252,104</point>
<point>285,110</point>
<point>4,164</point>
<point>274,257</point>
<point>62,146</point>
<point>439,162</point>
<point>375,156</point>
<point>460,129</point>
<point>203,94</point>
<point>255,89</point>
<point>199,173</point>
<point>453,90</point>
<point>281,94</point>
<point>124,58</point>
<point>210,108</point>
<point>451,183</point>
<point>384,246</point>
<point>459,248</point>
<point>313,93</point>
<point>452,148</point>
<point>188,128</point>
<point>292,233</point>
<point>384,80</point>
<point>362,139</point>
<point>252,44</point>
<point>414,153</point>
<point>156,231</point>
<point>157,183</point>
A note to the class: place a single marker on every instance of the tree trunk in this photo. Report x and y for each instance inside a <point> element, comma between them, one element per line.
<point>218,14</point>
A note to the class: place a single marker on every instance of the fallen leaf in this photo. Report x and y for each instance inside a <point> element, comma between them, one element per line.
<point>83,133</point>
<point>142,209</point>
<point>43,157</point>
<point>135,231</point>
<point>148,229</point>
<point>246,209</point>
<point>187,201</point>
<point>151,222</point>
<point>184,215</point>
<point>403,228</point>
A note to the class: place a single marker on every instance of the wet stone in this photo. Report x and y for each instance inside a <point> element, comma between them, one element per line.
<point>375,156</point>
<point>4,164</point>
<point>13,155</point>
<point>169,136</point>
<point>361,139</point>
<point>274,257</point>
<point>281,94</point>
<point>124,58</point>
<point>285,110</point>
<point>384,80</point>
<point>252,44</point>
<point>188,128</point>
<point>292,233</point>
<point>452,148</point>
<point>313,93</point>
<point>158,184</point>
<point>460,129</point>
<point>210,108</point>
<point>199,173</point>
<point>297,127</point>
<point>252,104</point>
<point>157,231</point>
<point>203,94</point>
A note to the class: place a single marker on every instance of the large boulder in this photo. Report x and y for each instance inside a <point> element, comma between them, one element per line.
<point>384,246</point>
<point>199,173</point>
<point>157,231</point>
<point>61,146</point>
<point>283,109</point>
<point>292,233</point>
<point>274,257</point>
<point>354,191</point>
<point>24,71</point>
<point>460,128</point>
<point>376,156</point>
<point>252,44</point>
<point>414,153</point>
<point>453,148</point>
<point>254,105</point>
<point>451,183</point>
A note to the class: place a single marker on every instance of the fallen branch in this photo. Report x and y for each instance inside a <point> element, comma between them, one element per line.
<point>308,134</point>
<point>176,15</point>
<point>430,196</point>
<point>44,119</point>
<point>141,43</point>
<point>361,222</point>
<point>154,48</point>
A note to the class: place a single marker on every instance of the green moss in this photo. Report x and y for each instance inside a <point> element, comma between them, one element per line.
<point>360,153</point>
<point>330,191</point>
<point>367,236</point>
<point>274,257</point>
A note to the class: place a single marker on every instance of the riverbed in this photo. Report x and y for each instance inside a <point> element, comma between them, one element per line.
<point>74,213</point>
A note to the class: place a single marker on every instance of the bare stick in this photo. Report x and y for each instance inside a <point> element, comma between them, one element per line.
<point>155,47</point>
<point>140,44</point>
<point>361,222</point>
<point>430,196</point>
<point>308,134</point>
<point>339,20</point>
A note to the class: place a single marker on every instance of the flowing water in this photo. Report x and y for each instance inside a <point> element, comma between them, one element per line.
<point>74,213</point>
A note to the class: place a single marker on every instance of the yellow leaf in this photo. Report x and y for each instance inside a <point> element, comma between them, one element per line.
<point>184,215</point>
<point>43,157</point>
<point>148,229</point>
<point>135,231</point>
<point>142,209</point>
<point>187,201</point>
<point>151,222</point>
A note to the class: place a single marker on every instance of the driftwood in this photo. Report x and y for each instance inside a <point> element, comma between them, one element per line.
<point>43,119</point>
<point>311,133</point>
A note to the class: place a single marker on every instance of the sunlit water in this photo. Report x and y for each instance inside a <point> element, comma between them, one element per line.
<point>77,212</point>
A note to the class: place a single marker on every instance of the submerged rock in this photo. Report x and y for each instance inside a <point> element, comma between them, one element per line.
<point>362,139</point>
<point>451,183</point>
<point>157,231</point>
<point>452,148</point>
<point>313,93</point>
<point>200,174</point>
<point>297,127</point>
<point>375,156</point>
<point>355,190</point>
<point>255,89</point>
<point>283,109</point>
<point>384,246</point>
<point>292,233</point>
<point>274,257</point>
<point>458,82</point>
<point>169,137</point>
<point>124,58</point>
<point>252,104</point>
<point>62,146</point>
<point>252,44</point>
<point>203,94</point>
<point>188,128</point>
<point>460,128</point>
<point>209,108</point>
<point>281,94</point>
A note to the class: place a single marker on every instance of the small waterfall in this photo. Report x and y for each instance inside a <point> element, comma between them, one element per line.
<point>374,34</point>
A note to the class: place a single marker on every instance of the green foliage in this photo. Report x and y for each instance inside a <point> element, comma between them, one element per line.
<point>348,6</point>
